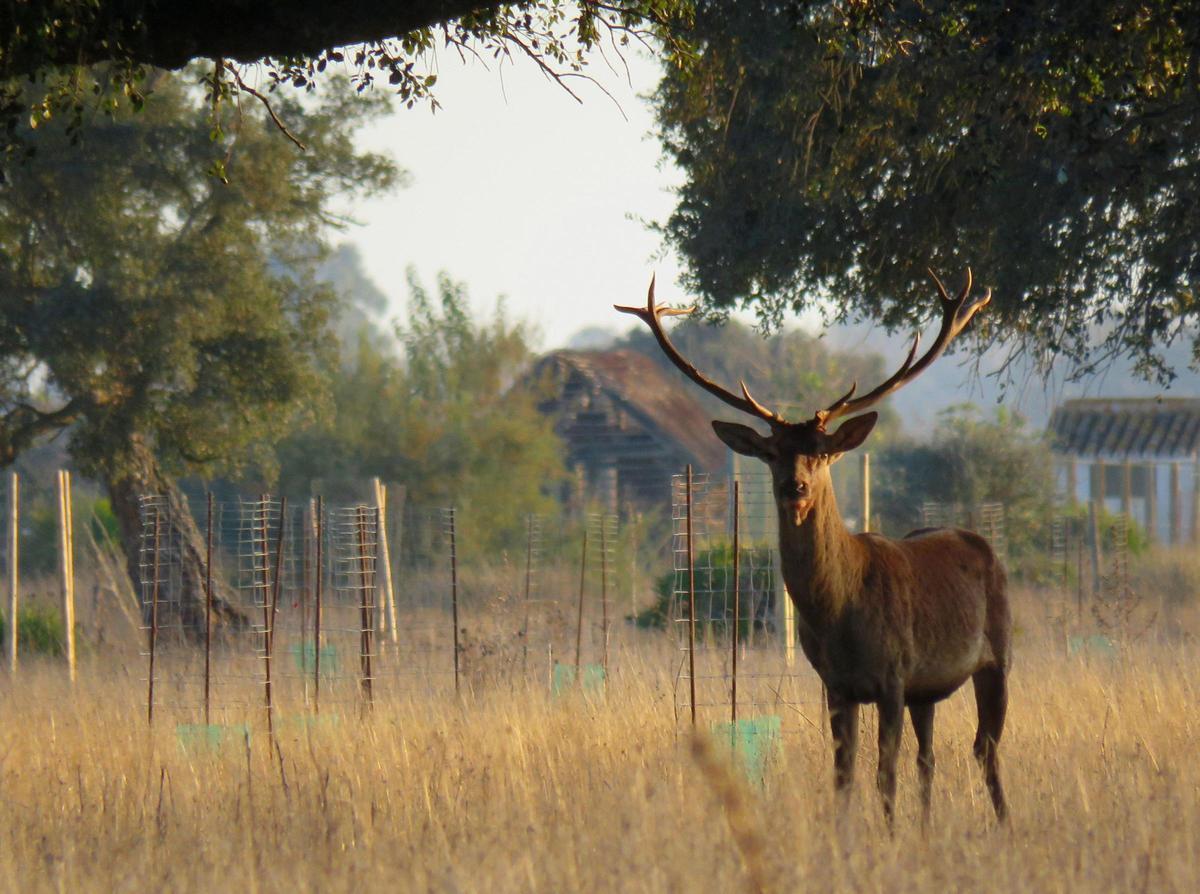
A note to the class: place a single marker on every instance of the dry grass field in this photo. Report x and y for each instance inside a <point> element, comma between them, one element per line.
<point>508,790</point>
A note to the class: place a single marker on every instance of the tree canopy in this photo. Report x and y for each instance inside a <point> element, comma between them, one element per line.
<point>834,151</point>
<point>166,321</point>
<point>139,295</point>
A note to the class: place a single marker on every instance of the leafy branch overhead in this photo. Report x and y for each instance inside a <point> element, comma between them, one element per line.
<point>293,43</point>
<point>834,151</point>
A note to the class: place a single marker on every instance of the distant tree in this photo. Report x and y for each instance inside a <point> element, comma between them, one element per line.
<point>170,323</point>
<point>968,460</point>
<point>361,305</point>
<point>440,419</point>
<point>831,151</point>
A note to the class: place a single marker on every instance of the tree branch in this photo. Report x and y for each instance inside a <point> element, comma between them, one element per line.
<point>169,35</point>
<point>246,88</point>
<point>24,424</point>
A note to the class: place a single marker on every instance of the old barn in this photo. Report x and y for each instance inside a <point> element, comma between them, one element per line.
<point>627,426</point>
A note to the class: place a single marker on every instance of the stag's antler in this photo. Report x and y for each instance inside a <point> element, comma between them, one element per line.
<point>652,316</point>
<point>956,314</point>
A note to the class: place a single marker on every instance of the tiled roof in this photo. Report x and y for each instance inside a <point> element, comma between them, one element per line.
<point>1127,427</point>
<point>641,387</point>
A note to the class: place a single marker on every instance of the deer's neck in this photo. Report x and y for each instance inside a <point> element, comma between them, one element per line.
<point>823,564</point>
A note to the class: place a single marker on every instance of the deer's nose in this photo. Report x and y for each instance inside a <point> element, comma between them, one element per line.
<point>793,490</point>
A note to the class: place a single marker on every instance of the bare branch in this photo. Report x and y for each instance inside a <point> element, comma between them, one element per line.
<point>246,88</point>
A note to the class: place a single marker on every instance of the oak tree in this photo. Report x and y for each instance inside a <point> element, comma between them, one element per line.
<point>832,151</point>
<point>164,321</point>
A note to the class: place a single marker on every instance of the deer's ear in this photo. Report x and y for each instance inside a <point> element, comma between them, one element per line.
<point>852,432</point>
<point>742,439</point>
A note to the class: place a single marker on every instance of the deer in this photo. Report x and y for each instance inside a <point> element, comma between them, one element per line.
<point>892,622</point>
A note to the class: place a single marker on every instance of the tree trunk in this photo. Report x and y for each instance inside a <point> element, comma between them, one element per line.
<point>184,610</point>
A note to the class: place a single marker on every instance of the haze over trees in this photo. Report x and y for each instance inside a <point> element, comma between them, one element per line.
<point>834,151</point>
<point>969,459</point>
<point>437,417</point>
<point>791,371</point>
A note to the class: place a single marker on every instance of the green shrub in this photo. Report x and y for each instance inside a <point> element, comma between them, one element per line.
<point>714,592</point>
<point>104,521</point>
<point>39,541</point>
<point>40,631</point>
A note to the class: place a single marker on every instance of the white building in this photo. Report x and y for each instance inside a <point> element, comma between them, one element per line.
<point>1137,456</point>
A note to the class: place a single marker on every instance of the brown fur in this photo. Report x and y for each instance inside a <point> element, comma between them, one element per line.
<point>895,623</point>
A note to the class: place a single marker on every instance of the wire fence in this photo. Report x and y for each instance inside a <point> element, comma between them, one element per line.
<point>732,620</point>
<point>308,584</point>
<point>342,602</point>
<point>987,519</point>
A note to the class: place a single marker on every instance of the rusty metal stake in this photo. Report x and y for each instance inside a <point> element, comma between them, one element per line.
<point>265,586</point>
<point>579,621</point>
<point>528,575</point>
<point>14,563</point>
<point>366,584</point>
<point>604,589</point>
<point>306,528</point>
<point>154,614</point>
<point>691,563</point>
<point>737,593</point>
<point>208,609</point>
<point>454,594</point>
<point>270,600</point>
<point>320,574</point>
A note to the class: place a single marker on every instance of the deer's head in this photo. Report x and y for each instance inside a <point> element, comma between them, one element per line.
<point>799,453</point>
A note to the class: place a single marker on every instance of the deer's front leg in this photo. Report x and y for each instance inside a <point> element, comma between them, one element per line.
<point>891,725</point>
<point>843,723</point>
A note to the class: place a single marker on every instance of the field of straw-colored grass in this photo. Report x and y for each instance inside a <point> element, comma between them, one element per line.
<point>512,790</point>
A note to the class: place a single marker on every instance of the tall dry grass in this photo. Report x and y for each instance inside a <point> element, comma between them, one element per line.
<point>508,789</point>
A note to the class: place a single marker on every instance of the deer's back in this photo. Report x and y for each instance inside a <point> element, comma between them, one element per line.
<point>949,608</point>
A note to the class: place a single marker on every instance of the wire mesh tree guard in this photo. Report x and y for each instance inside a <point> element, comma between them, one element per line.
<point>729,609</point>
<point>309,578</point>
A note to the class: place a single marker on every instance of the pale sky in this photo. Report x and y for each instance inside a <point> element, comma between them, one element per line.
<point>519,190</point>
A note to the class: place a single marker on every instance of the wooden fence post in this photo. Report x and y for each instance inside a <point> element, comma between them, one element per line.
<point>388,615</point>
<point>1094,510</point>
<point>1151,504</point>
<point>1127,489</point>
<point>866,492</point>
<point>14,574</point>
<point>66,540</point>
<point>1176,507</point>
<point>737,594</point>
<point>1195,501</point>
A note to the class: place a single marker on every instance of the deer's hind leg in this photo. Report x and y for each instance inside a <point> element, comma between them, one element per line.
<point>922,722</point>
<point>991,702</point>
